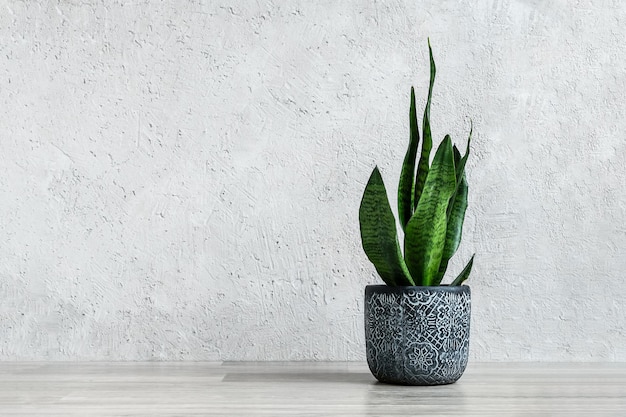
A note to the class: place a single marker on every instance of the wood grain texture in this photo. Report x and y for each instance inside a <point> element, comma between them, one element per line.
<point>304,389</point>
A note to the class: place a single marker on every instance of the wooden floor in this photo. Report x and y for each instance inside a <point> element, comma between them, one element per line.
<point>304,389</point>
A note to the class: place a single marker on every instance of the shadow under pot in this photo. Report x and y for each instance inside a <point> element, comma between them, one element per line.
<point>417,335</point>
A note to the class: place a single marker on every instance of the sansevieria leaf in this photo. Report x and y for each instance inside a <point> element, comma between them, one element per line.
<point>425,233</point>
<point>457,157</point>
<point>464,273</point>
<point>427,141</point>
<point>456,211</point>
<point>460,165</point>
<point>379,234</point>
<point>456,216</point>
<point>406,186</point>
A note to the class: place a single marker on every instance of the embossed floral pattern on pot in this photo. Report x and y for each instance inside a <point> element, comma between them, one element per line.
<point>417,335</point>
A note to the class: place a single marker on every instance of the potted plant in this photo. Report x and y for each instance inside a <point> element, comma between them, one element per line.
<point>416,329</point>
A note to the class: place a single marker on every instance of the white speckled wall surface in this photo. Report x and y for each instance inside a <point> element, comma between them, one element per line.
<point>181,180</point>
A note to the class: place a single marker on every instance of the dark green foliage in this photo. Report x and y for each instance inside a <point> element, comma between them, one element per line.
<point>406,187</point>
<point>425,234</point>
<point>456,211</point>
<point>378,233</point>
<point>427,144</point>
<point>432,201</point>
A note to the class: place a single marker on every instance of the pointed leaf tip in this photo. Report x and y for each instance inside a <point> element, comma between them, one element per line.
<point>406,185</point>
<point>464,273</point>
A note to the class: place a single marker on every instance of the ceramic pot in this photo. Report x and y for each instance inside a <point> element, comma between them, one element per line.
<point>417,335</point>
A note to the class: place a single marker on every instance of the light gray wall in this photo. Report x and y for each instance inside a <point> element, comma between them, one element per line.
<point>181,180</point>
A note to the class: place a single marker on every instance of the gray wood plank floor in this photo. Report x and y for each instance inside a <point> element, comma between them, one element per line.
<point>304,389</point>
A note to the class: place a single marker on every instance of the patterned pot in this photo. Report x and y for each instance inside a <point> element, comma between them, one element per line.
<point>417,335</point>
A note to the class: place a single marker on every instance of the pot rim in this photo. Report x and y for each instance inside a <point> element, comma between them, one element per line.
<point>401,288</point>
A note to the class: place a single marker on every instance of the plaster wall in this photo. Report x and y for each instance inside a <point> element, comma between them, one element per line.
<point>180,180</point>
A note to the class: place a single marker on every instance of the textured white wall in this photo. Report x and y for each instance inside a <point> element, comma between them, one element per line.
<point>181,180</point>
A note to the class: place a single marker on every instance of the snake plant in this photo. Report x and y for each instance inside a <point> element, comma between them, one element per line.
<point>432,199</point>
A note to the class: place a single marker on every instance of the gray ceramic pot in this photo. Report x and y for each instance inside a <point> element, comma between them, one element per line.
<point>417,335</point>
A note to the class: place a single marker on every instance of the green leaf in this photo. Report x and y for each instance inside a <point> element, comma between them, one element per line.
<point>464,273</point>
<point>425,235</point>
<point>457,157</point>
<point>405,188</point>
<point>427,142</point>
<point>456,210</point>
<point>456,216</point>
<point>379,235</point>
<point>460,165</point>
